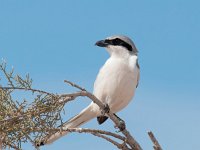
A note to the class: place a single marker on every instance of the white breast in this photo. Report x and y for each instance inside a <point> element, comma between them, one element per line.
<point>116,82</point>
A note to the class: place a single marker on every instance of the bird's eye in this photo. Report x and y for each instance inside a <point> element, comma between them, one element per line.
<point>116,41</point>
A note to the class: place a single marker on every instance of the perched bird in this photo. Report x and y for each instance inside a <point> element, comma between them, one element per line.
<point>115,83</point>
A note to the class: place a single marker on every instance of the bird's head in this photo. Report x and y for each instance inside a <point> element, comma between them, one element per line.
<point>118,45</point>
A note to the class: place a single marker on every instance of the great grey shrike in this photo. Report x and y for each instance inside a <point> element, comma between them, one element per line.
<point>115,83</point>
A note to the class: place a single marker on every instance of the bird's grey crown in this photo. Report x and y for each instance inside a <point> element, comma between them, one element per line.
<point>126,40</point>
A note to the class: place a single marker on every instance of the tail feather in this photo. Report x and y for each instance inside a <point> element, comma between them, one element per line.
<point>81,118</point>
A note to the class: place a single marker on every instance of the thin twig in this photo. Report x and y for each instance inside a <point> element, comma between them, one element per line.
<point>120,146</point>
<point>3,68</point>
<point>74,85</point>
<point>26,89</point>
<point>155,141</point>
<point>80,130</point>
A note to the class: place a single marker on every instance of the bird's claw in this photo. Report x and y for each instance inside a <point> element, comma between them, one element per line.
<point>121,126</point>
<point>106,109</point>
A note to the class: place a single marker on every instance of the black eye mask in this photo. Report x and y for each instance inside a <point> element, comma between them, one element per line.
<point>119,42</point>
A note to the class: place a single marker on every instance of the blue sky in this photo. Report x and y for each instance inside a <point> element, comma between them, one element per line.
<point>54,40</point>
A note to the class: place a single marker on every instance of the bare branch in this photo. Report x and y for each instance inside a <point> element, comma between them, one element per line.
<point>154,140</point>
<point>99,133</point>
<point>74,85</point>
<point>80,130</point>
<point>120,146</point>
<point>133,143</point>
<point>21,122</point>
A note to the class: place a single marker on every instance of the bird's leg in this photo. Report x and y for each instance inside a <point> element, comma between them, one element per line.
<point>121,125</point>
<point>105,110</point>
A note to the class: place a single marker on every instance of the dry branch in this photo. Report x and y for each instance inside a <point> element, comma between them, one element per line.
<point>130,140</point>
<point>155,141</point>
<point>99,133</point>
<point>22,122</point>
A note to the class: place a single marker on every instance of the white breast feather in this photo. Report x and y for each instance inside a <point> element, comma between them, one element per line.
<point>116,82</point>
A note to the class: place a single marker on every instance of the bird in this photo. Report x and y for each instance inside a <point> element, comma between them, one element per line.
<point>114,86</point>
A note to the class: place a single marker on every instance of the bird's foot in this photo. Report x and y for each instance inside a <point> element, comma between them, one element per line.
<point>121,126</point>
<point>105,110</point>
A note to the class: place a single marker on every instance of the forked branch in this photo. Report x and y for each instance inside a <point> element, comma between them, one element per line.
<point>22,122</point>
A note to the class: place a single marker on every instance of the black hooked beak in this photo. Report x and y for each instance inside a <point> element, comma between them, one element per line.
<point>101,43</point>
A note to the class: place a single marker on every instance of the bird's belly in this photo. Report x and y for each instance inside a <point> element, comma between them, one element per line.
<point>120,96</point>
<point>117,90</point>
